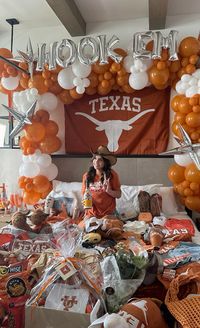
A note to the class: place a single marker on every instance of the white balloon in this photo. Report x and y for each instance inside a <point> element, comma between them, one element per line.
<point>16,98</point>
<point>128,62</point>
<point>191,91</point>
<point>138,64</point>
<point>86,82</point>
<point>133,69</point>
<point>80,89</point>
<point>196,74</point>
<point>33,91</point>
<point>182,159</point>
<point>81,70</point>
<point>29,170</point>
<point>77,81</point>
<point>138,81</point>
<point>65,78</point>
<point>44,160</point>
<point>25,158</point>
<point>10,83</point>
<point>48,101</point>
<point>179,88</point>
<point>185,77</point>
<point>50,172</point>
<point>193,81</point>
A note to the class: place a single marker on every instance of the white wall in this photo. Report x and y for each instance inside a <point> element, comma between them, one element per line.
<point>71,169</point>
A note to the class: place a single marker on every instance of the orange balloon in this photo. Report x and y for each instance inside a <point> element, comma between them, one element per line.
<point>192,174</point>
<point>175,66</point>
<point>35,131</point>
<point>176,173</point>
<point>90,91</point>
<point>65,97</point>
<point>103,91</point>
<point>158,77</point>
<point>30,150</point>
<point>55,88</point>
<point>50,144</point>
<point>28,186</point>
<point>193,59</point>
<point>120,52</point>
<point>31,197</point>
<point>22,182</point>
<point>74,94</point>
<point>193,120</point>
<point>194,100</point>
<point>43,195</point>
<point>51,128</point>
<point>194,186</point>
<point>179,118</point>
<point>184,105</point>
<point>175,102</point>
<point>93,77</point>
<point>189,46</point>
<point>126,88</point>
<point>193,203</point>
<point>43,115</point>
<point>37,81</point>
<point>4,52</point>
<point>40,184</point>
<point>100,69</point>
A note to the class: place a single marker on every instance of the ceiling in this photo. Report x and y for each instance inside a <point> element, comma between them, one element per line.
<point>76,14</point>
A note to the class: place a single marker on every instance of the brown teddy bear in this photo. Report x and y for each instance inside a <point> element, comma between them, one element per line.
<point>112,227</point>
<point>38,220</point>
<point>18,220</point>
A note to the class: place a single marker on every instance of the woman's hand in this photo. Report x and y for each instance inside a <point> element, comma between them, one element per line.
<point>107,188</point>
<point>106,185</point>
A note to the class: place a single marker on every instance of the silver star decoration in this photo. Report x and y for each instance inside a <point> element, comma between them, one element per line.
<point>28,57</point>
<point>186,147</point>
<point>22,119</point>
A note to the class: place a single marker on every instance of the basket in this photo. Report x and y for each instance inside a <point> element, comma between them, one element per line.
<point>185,309</point>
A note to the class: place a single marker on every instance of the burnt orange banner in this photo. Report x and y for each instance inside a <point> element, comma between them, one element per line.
<point>127,124</point>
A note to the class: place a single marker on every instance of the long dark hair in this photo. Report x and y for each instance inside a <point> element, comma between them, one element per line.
<point>92,172</point>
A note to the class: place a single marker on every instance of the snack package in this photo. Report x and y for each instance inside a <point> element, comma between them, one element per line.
<point>15,286</point>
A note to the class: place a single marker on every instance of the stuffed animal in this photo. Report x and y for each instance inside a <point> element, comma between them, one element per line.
<point>18,220</point>
<point>138,313</point>
<point>112,227</point>
<point>38,220</point>
<point>91,239</point>
<point>109,227</point>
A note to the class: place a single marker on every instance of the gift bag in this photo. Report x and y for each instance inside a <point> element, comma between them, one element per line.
<point>183,300</point>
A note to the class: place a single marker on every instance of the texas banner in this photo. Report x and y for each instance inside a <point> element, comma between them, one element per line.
<point>128,124</point>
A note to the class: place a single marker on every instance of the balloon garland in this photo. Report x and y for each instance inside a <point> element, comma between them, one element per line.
<point>68,84</point>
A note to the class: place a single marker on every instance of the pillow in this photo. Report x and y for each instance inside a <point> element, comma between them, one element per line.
<point>127,205</point>
<point>170,201</point>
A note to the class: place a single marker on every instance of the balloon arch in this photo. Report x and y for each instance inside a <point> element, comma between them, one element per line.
<point>68,84</point>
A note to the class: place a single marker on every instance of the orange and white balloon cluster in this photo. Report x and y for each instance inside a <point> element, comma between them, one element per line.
<point>71,83</point>
<point>186,104</point>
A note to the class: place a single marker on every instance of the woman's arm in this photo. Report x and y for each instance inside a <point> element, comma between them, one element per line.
<point>110,191</point>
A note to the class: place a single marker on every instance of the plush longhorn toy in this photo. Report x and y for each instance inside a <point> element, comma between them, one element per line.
<point>38,222</point>
<point>109,227</point>
<point>138,313</point>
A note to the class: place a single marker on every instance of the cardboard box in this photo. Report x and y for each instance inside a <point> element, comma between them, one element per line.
<point>37,317</point>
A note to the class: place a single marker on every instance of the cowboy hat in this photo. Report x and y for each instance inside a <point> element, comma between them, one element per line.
<point>105,153</point>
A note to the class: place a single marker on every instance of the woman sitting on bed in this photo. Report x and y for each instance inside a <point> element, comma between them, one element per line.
<point>103,183</point>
